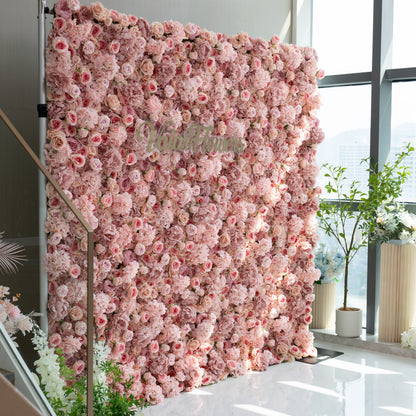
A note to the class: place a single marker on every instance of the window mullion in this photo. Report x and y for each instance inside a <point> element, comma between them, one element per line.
<point>380,133</point>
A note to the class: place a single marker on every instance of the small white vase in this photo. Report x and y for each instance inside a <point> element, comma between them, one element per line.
<point>348,323</point>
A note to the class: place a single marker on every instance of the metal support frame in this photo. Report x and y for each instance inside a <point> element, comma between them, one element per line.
<point>42,9</point>
<point>301,22</point>
<point>43,279</point>
<point>380,133</point>
<point>359,78</point>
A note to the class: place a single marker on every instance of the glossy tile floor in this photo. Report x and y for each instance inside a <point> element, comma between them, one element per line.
<point>354,384</point>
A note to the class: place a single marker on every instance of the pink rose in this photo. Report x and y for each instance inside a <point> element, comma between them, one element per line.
<point>107,200</point>
<point>60,44</point>
<point>320,74</point>
<point>71,118</point>
<point>202,98</point>
<point>76,313</point>
<point>139,249</point>
<point>157,29</point>
<point>74,271</point>
<point>80,328</point>
<point>128,120</point>
<point>78,366</point>
<point>114,46</point>
<point>58,23</point>
<point>131,159</point>
<point>263,211</point>
<point>78,160</point>
<point>86,77</point>
<point>222,181</point>
<point>150,175</point>
<point>207,266</point>
<point>192,30</point>
<point>55,124</point>
<point>169,91</point>
<point>58,139</point>
<point>127,69</point>
<point>95,139</point>
<point>101,320</point>
<point>132,292</point>
<point>114,103</point>
<point>245,95</point>
<point>62,291</point>
<point>175,265</point>
<point>147,67</point>
<point>99,11</point>
<point>154,347</point>
<point>88,47</point>
<point>55,340</point>
<point>186,68</point>
<point>152,86</point>
<point>157,247</point>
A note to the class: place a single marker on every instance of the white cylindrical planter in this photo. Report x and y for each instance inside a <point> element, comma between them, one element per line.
<point>397,306</point>
<point>348,323</point>
<point>323,307</point>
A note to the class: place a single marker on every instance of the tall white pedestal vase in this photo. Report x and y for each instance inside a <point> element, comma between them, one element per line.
<point>323,306</point>
<point>397,290</point>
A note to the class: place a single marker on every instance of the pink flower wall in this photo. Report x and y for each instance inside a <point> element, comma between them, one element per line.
<point>192,155</point>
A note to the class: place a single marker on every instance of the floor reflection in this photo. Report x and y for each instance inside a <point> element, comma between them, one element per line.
<point>353,384</point>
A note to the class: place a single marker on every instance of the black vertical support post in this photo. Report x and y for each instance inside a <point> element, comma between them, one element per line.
<point>380,135</point>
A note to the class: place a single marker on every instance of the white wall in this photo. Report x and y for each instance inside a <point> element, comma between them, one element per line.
<point>259,18</point>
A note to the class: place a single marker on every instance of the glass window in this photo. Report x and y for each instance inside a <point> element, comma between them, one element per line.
<point>404,33</point>
<point>345,119</point>
<point>403,130</point>
<point>342,35</point>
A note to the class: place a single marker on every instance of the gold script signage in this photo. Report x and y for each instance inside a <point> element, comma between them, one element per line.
<point>195,138</point>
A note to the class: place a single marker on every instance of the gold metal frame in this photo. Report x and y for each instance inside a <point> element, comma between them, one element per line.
<point>90,258</point>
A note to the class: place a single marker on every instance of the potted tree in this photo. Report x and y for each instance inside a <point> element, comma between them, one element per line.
<point>384,186</point>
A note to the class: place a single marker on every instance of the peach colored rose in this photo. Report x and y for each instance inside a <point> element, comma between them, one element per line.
<point>99,12</point>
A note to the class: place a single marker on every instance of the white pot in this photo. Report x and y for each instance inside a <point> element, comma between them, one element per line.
<point>348,323</point>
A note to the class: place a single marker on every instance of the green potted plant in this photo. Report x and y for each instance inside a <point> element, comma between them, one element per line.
<point>384,186</point>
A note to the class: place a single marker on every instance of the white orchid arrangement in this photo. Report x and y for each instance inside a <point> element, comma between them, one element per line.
<point>66,389</point>
<point>409,338</point>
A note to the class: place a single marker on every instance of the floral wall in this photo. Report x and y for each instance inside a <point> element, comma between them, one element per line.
<point>192,155</point>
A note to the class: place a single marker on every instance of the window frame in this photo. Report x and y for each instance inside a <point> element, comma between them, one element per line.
<point>381,77</point>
